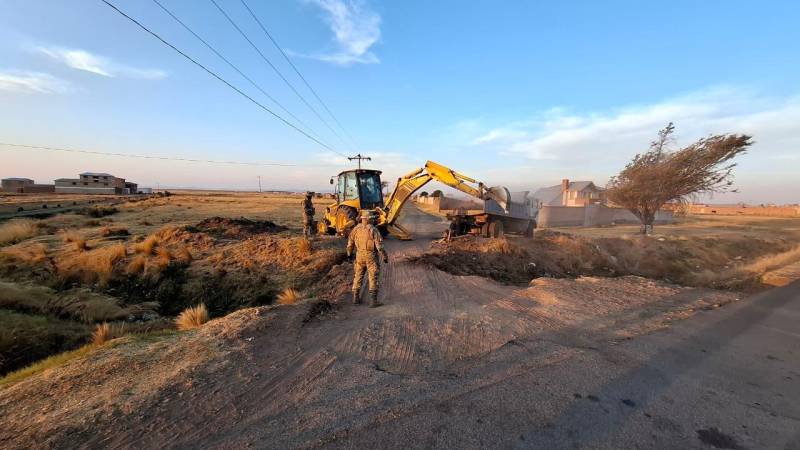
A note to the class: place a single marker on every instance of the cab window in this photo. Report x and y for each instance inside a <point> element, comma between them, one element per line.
<point>371,189</point>
<point>350,186</point>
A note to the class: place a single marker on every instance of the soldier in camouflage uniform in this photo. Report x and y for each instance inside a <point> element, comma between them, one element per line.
<point>369,244</point>
<point>308,215</point>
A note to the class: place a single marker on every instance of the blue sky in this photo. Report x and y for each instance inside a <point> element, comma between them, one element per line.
<point>516,93</point>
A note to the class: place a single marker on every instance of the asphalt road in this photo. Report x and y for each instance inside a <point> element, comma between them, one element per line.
<point>726,378</point>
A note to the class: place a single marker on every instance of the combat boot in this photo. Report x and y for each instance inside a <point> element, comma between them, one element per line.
<point>373,299</point>
<point>356,298</point>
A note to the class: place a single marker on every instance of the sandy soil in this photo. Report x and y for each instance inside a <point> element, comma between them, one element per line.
<point>285,377</point>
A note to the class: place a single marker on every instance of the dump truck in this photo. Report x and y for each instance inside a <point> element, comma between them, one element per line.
<point>360,189</point>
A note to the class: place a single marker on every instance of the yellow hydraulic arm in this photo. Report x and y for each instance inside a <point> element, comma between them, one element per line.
<point>411,182</point>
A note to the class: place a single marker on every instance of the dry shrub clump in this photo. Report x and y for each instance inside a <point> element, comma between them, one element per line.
<point>147,246</point>
<point>15,231</point>
<point>95,266</point>
<point>74,238</point>
<point>289,296</point>
<point>192,317</point>
<point>29,254</point>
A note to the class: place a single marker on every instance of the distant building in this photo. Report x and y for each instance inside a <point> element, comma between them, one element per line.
<point>571,193</point>
<point>24,185</point>
<point>95,183</point>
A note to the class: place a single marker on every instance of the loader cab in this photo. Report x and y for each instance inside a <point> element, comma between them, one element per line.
<point>360,188</point>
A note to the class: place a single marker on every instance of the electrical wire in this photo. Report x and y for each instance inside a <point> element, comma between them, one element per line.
<point>213,74</point>
<point>297,71</point>
<point>256,85</point>
<point>163,158</point>
<point>277,71</point>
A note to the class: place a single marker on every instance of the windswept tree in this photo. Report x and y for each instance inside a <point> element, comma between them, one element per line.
<point>661,175</point>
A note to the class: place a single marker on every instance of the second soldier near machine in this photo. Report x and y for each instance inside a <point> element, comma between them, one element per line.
<point>368,245</point>
<point>308,215</point>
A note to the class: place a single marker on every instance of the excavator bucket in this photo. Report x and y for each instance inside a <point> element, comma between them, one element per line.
<point>501,195</point>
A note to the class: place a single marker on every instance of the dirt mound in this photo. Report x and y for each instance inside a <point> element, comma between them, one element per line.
<point>727,263</point>
<point>236,228</point>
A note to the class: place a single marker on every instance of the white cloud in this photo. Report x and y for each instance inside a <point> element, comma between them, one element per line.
<point>99,65</point>
<point>31,82</point>
<point>620,133</point>
<point>355,28</point>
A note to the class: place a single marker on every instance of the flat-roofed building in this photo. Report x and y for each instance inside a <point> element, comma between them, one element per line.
<point>24,185</point>
<point>95,183</point>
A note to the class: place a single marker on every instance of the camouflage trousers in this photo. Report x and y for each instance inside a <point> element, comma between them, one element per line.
<point>308,227</point>
<point>367,264</point>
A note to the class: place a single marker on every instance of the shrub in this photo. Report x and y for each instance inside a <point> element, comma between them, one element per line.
<point>289,296</point>
<point>105,332</point>
<point>74,238</point>
<point>92,266</point>
<point>192,317</point>
<point>18,230</point>
<point>147,246</point>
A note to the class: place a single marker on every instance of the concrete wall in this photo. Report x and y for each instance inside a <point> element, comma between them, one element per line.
<point>590,216</point>
<point>768,211</point>
<point>85,190</point>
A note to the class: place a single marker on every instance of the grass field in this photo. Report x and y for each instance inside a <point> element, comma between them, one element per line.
<point>145,260</point>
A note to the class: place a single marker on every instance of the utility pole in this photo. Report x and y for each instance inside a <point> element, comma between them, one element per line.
<point>359,158</point>
<point>259,183</point>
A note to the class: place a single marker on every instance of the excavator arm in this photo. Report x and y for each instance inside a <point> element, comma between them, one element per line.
<point>413,181</point>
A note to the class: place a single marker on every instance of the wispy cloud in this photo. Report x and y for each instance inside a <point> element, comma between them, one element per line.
<point>98,65</point>
<point>355,29</point>
<point>617,134</point>
<point>31,82</point>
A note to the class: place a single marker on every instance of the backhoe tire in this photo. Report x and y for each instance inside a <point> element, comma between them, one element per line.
<point>485,230</point>
<point>323,228</point>
<point>496,229</point>
<point>530,229</point>
<point>346,219</point>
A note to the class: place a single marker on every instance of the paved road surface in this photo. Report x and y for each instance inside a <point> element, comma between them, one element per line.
<point>727,378</point>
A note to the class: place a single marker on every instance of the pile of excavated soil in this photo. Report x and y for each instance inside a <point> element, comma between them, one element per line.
<point>710,262</point>
<point>236,228</point>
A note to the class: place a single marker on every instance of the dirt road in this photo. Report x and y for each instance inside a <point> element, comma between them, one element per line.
<point>449,362</point>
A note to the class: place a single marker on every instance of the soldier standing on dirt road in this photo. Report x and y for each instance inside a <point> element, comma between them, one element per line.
<point>308,215</point>
<point>368,243</point>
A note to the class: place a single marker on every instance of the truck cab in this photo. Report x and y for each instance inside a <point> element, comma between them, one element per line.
<point>359,188</point>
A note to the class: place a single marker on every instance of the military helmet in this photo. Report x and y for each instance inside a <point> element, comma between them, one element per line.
<point>309,193</point>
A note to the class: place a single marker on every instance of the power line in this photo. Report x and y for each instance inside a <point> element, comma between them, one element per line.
<point>213,74</point>
<point>257,86</point>
<point>297,71</point>
<point>164,158</point>
<point>288,83</point>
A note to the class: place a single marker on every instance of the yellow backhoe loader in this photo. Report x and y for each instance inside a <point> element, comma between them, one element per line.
<point>360,189</point>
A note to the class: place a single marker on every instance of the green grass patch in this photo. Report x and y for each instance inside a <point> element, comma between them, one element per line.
<point>47,363</point>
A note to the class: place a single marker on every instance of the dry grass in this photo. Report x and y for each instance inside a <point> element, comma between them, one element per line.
<point>74,238</point>
<point>303,246</point>
<point>105,332</point>
<point>18,230</point>
<point>92,266</point>
<point>137,265</point>
<point>192,317</point>
<point>147,246</point>
<point>289,296</point>
<point>107,231</point>
<point>29,255</point>
<point>77,304</point>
